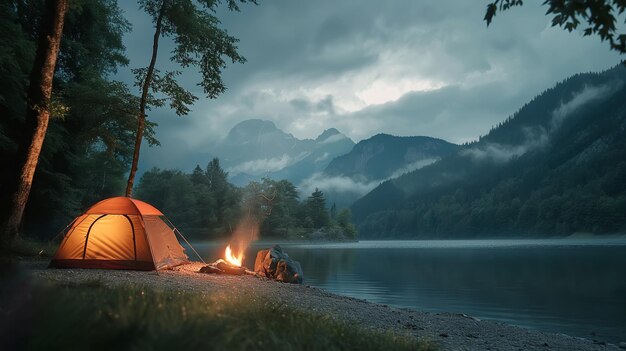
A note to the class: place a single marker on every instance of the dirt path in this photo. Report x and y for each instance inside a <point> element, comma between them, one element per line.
<point>451,331</point>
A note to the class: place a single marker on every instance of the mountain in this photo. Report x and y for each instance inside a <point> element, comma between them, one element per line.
<point>556,167</point>
<point>371,161</point>
<point>384,156</point>
<point>328,145</point>
<point>256,148</point>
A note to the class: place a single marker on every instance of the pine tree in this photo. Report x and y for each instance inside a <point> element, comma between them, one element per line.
<point>316,209</point>
<point>333,211</point>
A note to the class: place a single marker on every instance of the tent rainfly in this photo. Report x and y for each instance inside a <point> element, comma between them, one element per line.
<point>120,233</point>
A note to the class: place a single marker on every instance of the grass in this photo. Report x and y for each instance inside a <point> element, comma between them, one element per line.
<point>26,247</point>
<point>90,316</point>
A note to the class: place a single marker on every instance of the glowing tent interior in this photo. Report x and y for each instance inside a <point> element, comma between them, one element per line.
<point>120,233</point>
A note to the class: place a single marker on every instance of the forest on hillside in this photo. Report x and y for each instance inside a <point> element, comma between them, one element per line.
<point>204,205</point>
<point>556,167</point>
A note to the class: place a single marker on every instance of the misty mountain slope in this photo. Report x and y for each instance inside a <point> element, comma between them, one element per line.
<point>255,148</point>
<point>556,167</point>
<point>328,146</point>
<point>383,156</point>
<point>372,161</point>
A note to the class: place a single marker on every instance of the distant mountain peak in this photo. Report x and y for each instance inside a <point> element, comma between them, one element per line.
<point>327,133</point>
<point>253,126</point>
<point>330,135</point>
<point>259,147</point>
<point>382,155</point>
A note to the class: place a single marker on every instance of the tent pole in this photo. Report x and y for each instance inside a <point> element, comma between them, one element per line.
<point>62,231</point>
<point>182,236</point>
<point>194,250</point>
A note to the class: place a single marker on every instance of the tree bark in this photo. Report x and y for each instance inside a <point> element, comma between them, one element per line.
<point>37,111</point>
<point>141,118</point>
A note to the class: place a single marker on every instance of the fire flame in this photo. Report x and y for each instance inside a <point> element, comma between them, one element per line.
<point>228,254</point>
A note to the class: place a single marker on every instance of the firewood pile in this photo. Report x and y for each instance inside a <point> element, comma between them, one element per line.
<point>222,267</point>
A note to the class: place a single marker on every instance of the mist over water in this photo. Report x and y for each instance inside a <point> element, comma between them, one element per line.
<point>575,287</point>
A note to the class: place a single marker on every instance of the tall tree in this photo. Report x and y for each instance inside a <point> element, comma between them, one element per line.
<point>221,190</point>
<point>344,219</point>
<point>72,172</point>
<point>285,206</point>
<point>316,209</point>
<point>199,42</point>
<point>38,108</point>
<point>599,17</point>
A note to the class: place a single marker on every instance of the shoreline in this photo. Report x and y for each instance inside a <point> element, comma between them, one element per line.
<point>450,331</point>
<point>619,239</point>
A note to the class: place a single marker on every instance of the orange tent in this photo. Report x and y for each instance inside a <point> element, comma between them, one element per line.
<point>120,233</point>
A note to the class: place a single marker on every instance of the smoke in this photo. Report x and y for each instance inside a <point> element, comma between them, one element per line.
<point>246,231</point>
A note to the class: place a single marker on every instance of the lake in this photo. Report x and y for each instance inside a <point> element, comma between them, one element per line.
<point>571,286</point>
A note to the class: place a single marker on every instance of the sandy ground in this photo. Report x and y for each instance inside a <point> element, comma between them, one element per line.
<point>450,331</point>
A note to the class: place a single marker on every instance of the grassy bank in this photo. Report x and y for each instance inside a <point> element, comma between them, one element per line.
<point>91,316</point>
<point>26,247</point>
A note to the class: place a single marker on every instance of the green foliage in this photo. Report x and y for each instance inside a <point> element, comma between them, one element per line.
<point>316,209</point>
<point>86,152</point>
<point>16,54</point>
<point>25,247</point>
<point>285,209</point>
<point>199,42</point>
<point>599,17</point>
<point>258,200</point>
<point>90,316</point>
<point>344,219</point>
<point>179,98</point>
<point>92,44</point>
<point>202,204</point>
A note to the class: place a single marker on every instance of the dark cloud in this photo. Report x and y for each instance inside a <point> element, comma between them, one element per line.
<point>367,66</point>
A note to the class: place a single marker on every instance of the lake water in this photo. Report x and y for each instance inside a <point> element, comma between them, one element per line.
<point>575,287</point>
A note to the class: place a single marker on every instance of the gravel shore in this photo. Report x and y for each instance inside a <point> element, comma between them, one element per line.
<point>450,331</point>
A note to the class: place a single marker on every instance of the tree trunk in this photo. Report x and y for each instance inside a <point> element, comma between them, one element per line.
<point>38,110</point>
<point>141,118</point>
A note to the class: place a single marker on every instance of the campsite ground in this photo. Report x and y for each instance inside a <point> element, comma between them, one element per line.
<point>449,331</point>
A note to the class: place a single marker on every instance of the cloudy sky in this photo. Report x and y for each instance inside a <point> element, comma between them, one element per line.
<point>365,67</point>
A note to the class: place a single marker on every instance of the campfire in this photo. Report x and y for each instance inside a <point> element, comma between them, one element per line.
<point>270,263</point>
<point>232,259</point>
<point>230,264</point>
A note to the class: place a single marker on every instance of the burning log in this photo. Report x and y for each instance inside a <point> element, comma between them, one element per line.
<point>232,265</point>
<point>273,263</point>
<point>222,267</point>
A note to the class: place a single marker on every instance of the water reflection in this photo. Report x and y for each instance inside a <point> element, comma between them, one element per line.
<point>573,287</point>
